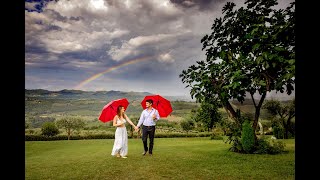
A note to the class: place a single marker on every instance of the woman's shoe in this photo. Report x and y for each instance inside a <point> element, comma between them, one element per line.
<point>118,155</point>
<point>123,157</point>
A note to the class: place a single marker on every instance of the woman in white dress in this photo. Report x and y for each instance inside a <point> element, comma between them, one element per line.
<point>120,146</point>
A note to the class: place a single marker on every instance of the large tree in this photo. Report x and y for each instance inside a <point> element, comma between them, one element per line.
<point>208,114</point>
<point>251,50</point>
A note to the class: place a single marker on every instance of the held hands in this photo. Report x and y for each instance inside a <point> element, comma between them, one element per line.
<point>154,117</point>
<point>136,128</point>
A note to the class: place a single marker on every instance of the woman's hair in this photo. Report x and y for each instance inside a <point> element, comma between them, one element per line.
<point>119,111</point>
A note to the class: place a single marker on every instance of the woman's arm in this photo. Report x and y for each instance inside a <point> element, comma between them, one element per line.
<point>115,121</point>
<point>130,122</point>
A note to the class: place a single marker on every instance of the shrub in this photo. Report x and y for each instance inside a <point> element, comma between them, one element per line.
<point>236,145</point>
<point>65,137</point>
<point>278,132</point>
<point>49,129</point>
<point>29,131</point>
<point>247,137</point>
<point>268,133</point>
<point>218,131</point>
<point>262,147</point>
<point>276,147</point>
<point>233,131</point>
<point>269,146</point>
<point>266,125</point>
<point>217,134</point>
<point>187,125</point>
<point>216,137</point>
<point>165,123</point>
<point>29,137</point>
<point>27,125</point>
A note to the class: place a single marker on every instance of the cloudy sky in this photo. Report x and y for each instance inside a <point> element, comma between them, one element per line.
<point>125,45</point>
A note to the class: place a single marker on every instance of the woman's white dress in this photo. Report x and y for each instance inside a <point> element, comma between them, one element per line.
<point>120,140</point>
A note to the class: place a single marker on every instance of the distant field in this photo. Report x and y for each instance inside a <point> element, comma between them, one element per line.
<point>174,158</point>
<point>40,109</point>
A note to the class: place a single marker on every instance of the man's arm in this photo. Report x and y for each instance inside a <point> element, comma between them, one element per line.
<point>140,120</point>
<point>157,116</point>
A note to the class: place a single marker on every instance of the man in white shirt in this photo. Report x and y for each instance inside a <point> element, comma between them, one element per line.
<point>148,119</point>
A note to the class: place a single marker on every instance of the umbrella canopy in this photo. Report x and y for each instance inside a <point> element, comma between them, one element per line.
<point>110,110</point>
<point>160,103</point>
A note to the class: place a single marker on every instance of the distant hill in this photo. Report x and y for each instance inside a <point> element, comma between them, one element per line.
<point>102,95</point>
<point>132,96</point>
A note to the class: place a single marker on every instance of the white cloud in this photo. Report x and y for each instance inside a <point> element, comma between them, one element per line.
<point>131,47</point>
<point>188,3</point>
<point>83,64</point>
<point>79,7</point>
<point>59,32</point>
<point>166,57</point>
<point>31,6</point>
<point>145,40</point>
<point>157,42</point>
<point>69,40</point>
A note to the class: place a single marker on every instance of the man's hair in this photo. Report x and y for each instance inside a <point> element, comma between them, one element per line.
<point>149,101</point>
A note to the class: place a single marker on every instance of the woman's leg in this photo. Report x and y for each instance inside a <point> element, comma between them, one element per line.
<point>124,137</point>
<point>117,143</point>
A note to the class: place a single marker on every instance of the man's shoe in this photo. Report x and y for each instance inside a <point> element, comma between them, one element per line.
<point>150,154</point>
<point>144,153</point>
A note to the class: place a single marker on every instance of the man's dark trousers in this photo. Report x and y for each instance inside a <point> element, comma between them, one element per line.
<point>148,131</point>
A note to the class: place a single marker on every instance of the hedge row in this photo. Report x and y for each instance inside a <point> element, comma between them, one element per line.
<point>29,137</point>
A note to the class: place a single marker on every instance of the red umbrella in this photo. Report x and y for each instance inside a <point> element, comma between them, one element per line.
<point>160,103</point>
<point>110,110</point>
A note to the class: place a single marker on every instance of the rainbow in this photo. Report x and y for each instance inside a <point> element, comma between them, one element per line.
<point>133,61</point>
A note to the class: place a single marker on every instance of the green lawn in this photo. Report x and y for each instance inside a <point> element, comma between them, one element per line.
<point>174,158</point>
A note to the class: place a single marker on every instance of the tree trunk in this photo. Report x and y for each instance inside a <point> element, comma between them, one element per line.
<point>257,113</point>
<point>286,132</point>
<point>287,126</point>
<point>231,110</point>
<point>255,122</point>
<point>69,133</point>
<point>227,106</point>
<point>256,118</point>
<point>228,113</point>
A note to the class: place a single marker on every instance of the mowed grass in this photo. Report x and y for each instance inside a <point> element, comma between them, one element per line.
<point>174,158</point>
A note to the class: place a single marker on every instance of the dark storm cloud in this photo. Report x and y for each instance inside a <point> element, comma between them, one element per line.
<point>83,38</point>
<point>199,4</point>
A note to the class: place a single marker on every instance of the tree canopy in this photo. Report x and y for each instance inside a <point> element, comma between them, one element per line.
<point>70,124</point>
<point>251,50</point>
